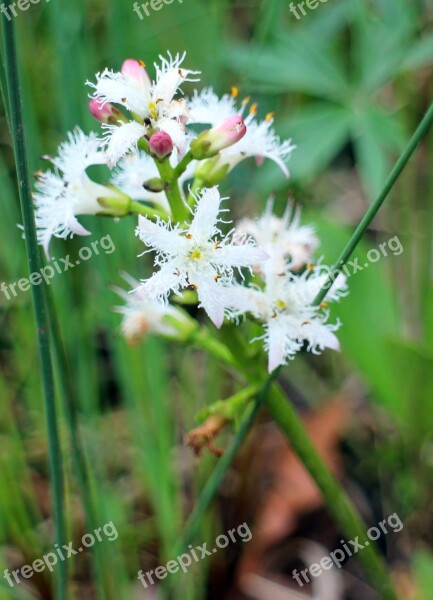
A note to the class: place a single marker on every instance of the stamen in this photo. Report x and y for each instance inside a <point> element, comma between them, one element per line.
<point>253,109</point>
<point>235,91</point>
<point>269,117</point>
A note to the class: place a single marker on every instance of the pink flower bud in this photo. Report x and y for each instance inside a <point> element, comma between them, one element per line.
<point>231,130</point>
<point>101,111</point>
<point>106,113</point>
<point>160,144</point>
<point>227,133</point>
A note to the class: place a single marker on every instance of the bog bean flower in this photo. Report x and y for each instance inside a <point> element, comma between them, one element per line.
<point>164,152</point>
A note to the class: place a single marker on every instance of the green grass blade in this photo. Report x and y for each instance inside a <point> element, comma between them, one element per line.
<point>17,132</point>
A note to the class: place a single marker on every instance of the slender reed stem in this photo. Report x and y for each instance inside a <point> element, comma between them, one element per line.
<point>420,132</point>
<point>17,133</point>
<point>72,419</point>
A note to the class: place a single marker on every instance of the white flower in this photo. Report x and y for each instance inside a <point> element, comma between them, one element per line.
<point>285,308</point>
<point>259,141</point>
<point>142,315</point>
<point>207,108</point>
<point>197,255</point>
<point>289,244</point>
<point>61,195</point>
<point>152,105</point>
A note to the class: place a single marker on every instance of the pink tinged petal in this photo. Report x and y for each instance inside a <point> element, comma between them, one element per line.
<point>159,237</point>
<point>320,336</point>
<point>76,227</point>
<point>206,215</point>
<point>134,72</point>
<point>277,160</point>
<point>276,341</point>
<point>331,341</point>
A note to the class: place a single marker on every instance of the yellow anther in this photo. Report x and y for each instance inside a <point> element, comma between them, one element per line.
<point>142,64</point>
<point>310,266</point>
<point>196,254</point>
<point>188,236</point>
<point>253,109</point>
<point>235,91</point>
<point>216,277</point>
<point>269,117</point>
<point>246,100</point>
<point>153,110</point>
<point>324,304</point>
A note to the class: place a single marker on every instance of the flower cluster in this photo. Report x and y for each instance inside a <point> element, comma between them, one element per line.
<point>162,166</point>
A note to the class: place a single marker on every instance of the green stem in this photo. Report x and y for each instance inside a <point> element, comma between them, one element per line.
<point>136,208</point>
<point>55,453</point>
<point>72,418</point>
<point>420,132</point>
<point>336,499</point>
<point>179,210</point>
<point>183,164</point>
<point>204,339</point>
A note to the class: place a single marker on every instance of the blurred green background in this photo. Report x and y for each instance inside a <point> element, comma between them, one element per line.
<point>348,83</point>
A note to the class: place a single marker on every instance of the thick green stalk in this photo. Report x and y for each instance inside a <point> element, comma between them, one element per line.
<point>179,210</point>
<point>337,502</point>
<point>55,454</point>
<point>420,132</point>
